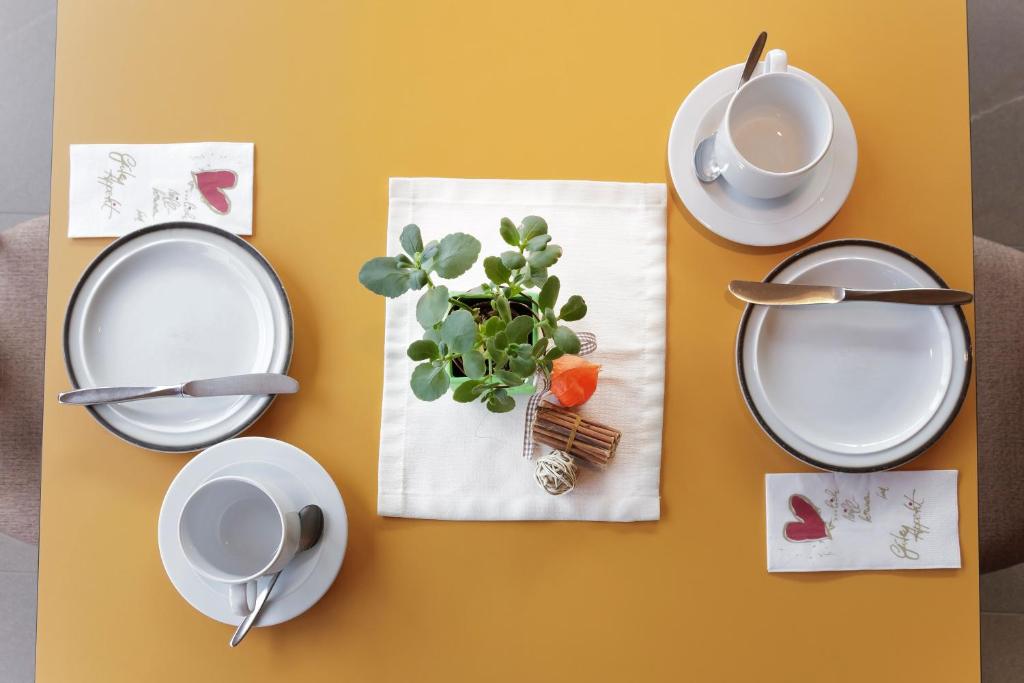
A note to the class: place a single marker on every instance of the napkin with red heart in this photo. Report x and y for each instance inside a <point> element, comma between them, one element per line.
<point>884,520</point>
<point>117,188</point>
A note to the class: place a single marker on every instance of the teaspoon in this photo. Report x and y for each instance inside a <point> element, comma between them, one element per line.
<point>704,156</point>
<point>311,527</point>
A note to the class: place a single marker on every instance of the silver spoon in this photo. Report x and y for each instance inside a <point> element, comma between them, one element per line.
<point>311,527</point>
<point>704,156</point>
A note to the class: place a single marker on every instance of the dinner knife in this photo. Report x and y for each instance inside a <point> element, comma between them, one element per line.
<point>779,294</point>
<point>257,384</point>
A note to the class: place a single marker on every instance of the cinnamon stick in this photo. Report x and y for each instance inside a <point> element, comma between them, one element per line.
<point>565,430</point>
<point>582,427</point>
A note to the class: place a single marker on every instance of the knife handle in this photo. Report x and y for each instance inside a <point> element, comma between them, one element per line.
<point>98,395</point>
<point>925,297</point>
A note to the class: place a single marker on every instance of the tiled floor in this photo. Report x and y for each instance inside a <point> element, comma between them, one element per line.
<point>18,563</point>
<point>27,40</point>
<point>27,36</point>
<point>28,31</point>
<point>997,118</point>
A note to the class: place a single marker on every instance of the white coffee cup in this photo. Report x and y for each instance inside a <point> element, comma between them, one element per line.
<point>776,129</point>
<point>235,530</point>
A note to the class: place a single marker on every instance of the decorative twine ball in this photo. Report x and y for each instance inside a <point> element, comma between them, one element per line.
<point>556,472</point>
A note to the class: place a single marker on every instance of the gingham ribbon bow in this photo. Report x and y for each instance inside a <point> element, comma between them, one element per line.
<point>588,344</point>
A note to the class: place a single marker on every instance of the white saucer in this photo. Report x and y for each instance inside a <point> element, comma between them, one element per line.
<point>734,216</point>
<point>856,386</point>
<point>308,576</point>
<point>171,303</point>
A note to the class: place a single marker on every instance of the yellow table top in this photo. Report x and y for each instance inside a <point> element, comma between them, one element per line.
<point>338,96</point>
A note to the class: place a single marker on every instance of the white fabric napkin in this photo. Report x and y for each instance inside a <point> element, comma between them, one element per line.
<point>885,520</point>
<point>446,460</point>
<point>115,189</point>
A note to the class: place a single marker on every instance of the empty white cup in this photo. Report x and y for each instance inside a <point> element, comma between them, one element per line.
<point>777,128</point>
<point>235,530</point>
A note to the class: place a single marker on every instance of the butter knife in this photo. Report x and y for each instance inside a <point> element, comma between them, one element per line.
<point>778,294</point>
<point>258,384</point>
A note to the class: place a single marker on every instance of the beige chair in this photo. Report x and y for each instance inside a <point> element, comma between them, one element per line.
<point>23,254</point>
<point>999,341</point>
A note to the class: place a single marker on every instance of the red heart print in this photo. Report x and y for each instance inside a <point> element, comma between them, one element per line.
<point>211,186</point>
<point>811,527</point>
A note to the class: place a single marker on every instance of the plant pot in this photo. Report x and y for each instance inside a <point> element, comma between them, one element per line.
<point>520,302</point>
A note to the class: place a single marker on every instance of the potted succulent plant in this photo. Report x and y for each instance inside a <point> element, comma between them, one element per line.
<point>487,343</point>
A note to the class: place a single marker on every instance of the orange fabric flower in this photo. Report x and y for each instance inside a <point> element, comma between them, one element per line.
<point>573,380</point>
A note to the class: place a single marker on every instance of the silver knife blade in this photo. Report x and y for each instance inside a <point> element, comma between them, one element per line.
<point>241,385</point>
<point>779,294</point>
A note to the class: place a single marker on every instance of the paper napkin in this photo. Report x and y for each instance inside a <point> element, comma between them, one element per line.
<point>446,460</point>
<point>116,188</point>
<point>886,520</point>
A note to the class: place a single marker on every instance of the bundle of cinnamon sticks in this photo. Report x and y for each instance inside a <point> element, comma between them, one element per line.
<point>567,431</point>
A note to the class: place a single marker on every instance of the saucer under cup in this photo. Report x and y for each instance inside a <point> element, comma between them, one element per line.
<point>737,217</point>
<point>309,574</point>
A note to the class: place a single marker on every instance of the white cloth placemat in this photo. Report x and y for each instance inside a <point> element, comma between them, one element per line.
<point>885,520</point>
<point>445,460</point>
<point>118,188</point>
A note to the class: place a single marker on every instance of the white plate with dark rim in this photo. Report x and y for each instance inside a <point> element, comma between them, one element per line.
<point>860,386</point>
<point>306,578</point>
<point>171,303</point>
<point>735,216</point>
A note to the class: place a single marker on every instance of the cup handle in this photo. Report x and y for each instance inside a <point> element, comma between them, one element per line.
<point>238,596</point>
<point>776,61</point>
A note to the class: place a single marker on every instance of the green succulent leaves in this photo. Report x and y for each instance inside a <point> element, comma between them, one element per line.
<point>411,239</point>
<point>574,309</point>
<point>386,276</point>
<point>549,293</point>
<point>566,340</point>
<point>455,254</point>
<point>519,329</point>
<point>430,381</point>
<point>508,232</point>
<point>393,276</point>
<point>533,226</point>
<point>432,306</point>
<point>458,331</point>
<point>423,349</point>
<point>500,335</point>
<point>497,272</point>
<point>474,364</point>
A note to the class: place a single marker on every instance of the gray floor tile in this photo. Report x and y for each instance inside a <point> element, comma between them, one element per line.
<point>27,39</point>
<point>17,556</point>
<point>17,626</point>
<point>997,161</point>
<point>996,52</point>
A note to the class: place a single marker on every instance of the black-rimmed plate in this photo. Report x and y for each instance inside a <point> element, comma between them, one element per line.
<point>861,386</point>
<point>167,304</point>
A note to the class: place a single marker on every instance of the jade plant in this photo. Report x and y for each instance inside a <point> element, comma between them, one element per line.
<point>489,342</point>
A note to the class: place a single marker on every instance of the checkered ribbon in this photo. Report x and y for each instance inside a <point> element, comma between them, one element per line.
<point>588,344</point>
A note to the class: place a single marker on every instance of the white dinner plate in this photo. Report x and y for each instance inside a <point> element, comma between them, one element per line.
<point>305,580</point>
<point>172,303</point>
<point>858,386</point>
<point>746,220</point>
